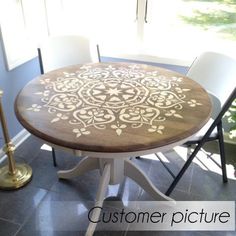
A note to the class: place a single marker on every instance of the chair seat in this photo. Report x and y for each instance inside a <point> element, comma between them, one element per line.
<point>198,136</point>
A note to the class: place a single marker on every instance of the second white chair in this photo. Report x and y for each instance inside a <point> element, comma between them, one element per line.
<point>217,74</point>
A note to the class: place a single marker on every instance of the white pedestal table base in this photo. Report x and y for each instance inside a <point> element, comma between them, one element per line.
<point>112,171</point>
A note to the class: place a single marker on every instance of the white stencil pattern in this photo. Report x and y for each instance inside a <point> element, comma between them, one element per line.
<point>114,97</point>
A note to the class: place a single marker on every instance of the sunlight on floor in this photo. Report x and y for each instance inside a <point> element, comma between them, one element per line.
<point>46,147</point>
<point>206,160</point>
<point>113,189</point>
<point>81,209</point>
<point>150,157</point>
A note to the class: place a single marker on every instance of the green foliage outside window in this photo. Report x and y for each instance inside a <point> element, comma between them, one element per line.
<point>231,117</point>
<point>217,15</point>
<point>220,17</point>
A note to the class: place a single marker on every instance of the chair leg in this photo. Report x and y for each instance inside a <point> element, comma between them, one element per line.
<point>222,152</point>
<point>180,174</point>
<point>184,168</point>
<point>54,157</point>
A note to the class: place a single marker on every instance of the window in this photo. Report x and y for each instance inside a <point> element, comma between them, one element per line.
<point>174,30</point>
<point>182,29</point>
<point>23,24</point>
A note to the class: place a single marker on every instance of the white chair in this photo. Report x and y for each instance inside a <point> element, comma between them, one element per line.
<point>217,74</point>
<point>65,50</point>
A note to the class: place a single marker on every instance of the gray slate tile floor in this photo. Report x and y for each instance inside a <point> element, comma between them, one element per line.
<point>49,207</point>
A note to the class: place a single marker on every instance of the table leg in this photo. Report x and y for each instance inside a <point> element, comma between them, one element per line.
<point>86,164</point>
<point>103,184</point>
<point>136,174</point>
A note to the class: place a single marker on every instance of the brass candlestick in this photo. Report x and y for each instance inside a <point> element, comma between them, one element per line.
<point>12,176</point>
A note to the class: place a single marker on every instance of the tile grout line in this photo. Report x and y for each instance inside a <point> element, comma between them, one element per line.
<point>10,221</point>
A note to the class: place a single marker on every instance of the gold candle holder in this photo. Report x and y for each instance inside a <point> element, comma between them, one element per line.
<point>12,176</point>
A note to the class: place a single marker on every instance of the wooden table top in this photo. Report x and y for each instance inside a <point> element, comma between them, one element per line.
<point>112,107</point>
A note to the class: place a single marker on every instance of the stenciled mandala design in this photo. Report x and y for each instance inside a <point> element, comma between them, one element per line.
<point>114,97</point>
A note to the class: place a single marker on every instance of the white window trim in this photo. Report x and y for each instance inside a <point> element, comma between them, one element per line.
<point>25,48</point>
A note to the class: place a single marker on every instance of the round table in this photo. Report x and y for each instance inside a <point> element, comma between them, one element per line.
<point>110,112</point>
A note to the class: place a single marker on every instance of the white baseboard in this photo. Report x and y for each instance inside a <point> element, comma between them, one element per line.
<point>17,140</point>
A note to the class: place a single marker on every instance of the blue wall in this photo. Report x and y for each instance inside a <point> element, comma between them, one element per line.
<point>180,69</point>
<point>11,82</point>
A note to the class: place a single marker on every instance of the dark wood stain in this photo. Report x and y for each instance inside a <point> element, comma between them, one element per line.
<point>106,140</point>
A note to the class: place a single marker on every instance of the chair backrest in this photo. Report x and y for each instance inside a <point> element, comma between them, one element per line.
<point>216,73</point>
<point>66,50</point>
<point>220,115</point>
